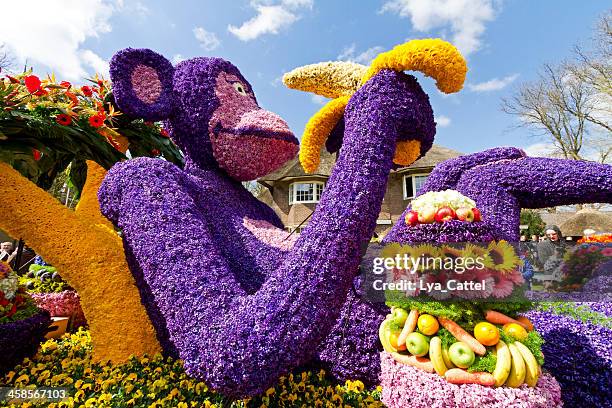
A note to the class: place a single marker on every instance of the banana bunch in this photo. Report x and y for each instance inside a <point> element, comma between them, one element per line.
<point>515,365</point>
<point>384,332</point>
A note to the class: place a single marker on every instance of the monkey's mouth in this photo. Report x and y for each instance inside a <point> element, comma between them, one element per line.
<point>258,145</point>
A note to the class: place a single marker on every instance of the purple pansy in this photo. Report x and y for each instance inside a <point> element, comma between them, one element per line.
<point>20,339</point>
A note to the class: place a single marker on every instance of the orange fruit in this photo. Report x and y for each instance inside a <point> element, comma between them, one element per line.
<point>393,337</point>
<point>428,325</point>
<point>515,330</point>
<point>526,322</point>
<point>486,334</point>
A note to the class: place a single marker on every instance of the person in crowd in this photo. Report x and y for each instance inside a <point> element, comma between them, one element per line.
<point>7,253</point>
<point>526,269</point>
<point>551,250</point>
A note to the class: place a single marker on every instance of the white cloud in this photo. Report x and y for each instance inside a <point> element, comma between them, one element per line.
<point>465,18</point>
<point>270,18</point>
<point>349,54</point>
<point>542,150</point>
<point>176,58</point>
<point>207,39</point>
<point>54,33</point>
<point>443,121</point>
<point>494,84</point>
<point>93,60</point>
<point>319,100</point>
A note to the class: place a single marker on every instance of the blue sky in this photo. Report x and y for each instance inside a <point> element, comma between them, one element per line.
<point>506,42</point>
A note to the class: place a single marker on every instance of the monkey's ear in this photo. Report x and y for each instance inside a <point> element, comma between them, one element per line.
<point>142,83</point>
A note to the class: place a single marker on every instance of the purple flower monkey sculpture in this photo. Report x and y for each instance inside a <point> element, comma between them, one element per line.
<point>225,290</point>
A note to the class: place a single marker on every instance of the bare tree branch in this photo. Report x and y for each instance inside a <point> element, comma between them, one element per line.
<point>572,103</point>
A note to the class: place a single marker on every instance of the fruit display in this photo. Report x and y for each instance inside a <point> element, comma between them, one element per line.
<point>442,206</point>
<point>491,348</point>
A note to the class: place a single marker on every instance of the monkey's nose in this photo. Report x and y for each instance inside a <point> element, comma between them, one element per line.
<point>263,123</point>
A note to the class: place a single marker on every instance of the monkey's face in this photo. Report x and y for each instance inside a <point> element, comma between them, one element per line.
<point>247,141</point>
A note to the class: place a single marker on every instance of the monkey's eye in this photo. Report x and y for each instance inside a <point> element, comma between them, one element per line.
<point>240,88</point>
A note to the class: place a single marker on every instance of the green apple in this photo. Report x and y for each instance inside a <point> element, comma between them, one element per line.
<point>461,354</point>
<point>417,344</point>
<point>400,316</point>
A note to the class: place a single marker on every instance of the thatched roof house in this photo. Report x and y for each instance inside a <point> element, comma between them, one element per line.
<point>587,218</point>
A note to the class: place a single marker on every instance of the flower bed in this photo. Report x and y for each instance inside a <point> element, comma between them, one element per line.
<point>158,382</point>
<point>20,338</point>
<point>65,303</point>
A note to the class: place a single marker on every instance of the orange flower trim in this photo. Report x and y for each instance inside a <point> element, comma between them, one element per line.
<point>91,260</point>
<point>317,130</point>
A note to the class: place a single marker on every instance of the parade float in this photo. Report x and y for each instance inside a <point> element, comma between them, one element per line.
<point>243,304</point>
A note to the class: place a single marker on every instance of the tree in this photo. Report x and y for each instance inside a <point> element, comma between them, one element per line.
<point>534,222</point>
<point>570,103</point>
<point>5,58</point>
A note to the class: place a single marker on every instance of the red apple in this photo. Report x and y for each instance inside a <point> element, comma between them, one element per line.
<point>465,214</point>
<point>427,216</point>
<point>477,215</point>
<point>445,214</point>
<point>412,218</point>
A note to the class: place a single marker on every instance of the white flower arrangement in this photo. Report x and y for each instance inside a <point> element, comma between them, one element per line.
<point>437,199</point>
<point>9,285</point>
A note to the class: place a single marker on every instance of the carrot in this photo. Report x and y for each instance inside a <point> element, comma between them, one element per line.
<point>421,363</point>
<point>409,326</point>
<point>462,335</point>
<point>460,376</point>
<point>499,318</point>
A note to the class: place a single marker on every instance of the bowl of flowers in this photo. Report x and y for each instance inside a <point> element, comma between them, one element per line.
<point>22,325</point>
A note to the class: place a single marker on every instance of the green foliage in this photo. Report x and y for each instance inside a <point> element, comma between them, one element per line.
<point>578,312</point>
<point>25,310</point>
<point>446,337</point>
<point>534,222</point>
<point>485,363</point>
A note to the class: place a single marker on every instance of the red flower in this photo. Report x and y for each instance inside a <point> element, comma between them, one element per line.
<point>164,133</point>
<point>40,92</point>
<point>155,152</point>
<point>32,82</point>
<point>86,90</point>
<point>13,79</point>
<point>65,84</point>
<point>97,120</point>
<point>72,98</point>
<point>63,119</point>
<point>36,154</point>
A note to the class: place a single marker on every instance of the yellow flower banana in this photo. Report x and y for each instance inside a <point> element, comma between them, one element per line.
<point>383,334</point>
<point>503,365</point>
<point>447,361</point>
<point>532,367</point>
<point>435,355</point>
<point>517,372</point>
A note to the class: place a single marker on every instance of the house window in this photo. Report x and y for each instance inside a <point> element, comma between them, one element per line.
<point>412,184</point>
<point>305,192</point>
